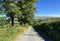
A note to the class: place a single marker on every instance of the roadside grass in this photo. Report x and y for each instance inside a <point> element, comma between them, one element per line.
<point>9,33</point>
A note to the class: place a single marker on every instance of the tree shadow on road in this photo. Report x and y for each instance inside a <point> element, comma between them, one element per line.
<point>42,35</point>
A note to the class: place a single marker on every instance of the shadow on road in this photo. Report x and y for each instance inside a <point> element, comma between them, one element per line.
<point>43,36</point>
<point>30,35</point>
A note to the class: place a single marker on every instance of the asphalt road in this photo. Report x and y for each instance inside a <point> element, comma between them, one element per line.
<point>31,35</point>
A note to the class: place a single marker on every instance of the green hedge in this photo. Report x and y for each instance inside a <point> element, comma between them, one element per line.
<point>51,29</point>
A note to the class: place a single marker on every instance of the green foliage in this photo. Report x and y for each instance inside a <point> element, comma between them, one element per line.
<point>10,9</point>
<point>2,21</point>
<point>27,8</point>
<point>1,11</point>
<point>23,9</point>
<point>50,28</point>
<point>13,10</point>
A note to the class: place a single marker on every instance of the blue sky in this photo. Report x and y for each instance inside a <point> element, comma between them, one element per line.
<point>48,8</point>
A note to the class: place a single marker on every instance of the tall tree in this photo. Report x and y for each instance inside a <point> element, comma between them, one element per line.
<point>24,9</point>
<point>27,8</point>
<point>10,9</point>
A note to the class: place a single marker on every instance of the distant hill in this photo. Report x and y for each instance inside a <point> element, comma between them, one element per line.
<point>43,17</point>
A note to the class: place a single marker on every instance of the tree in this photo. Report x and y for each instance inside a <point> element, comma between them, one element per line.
<point>10,9</point>
<point>23,9</point>
<point>27,8</point>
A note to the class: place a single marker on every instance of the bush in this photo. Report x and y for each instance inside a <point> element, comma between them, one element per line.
<point>49,28</point>
<point>2,21</point>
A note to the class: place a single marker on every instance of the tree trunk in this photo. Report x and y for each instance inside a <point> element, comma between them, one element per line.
<point>12,20</point>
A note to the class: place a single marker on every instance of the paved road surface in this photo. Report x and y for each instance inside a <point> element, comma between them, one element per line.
<point>31,35</point>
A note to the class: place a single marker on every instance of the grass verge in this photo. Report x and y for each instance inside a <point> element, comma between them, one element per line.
<point>9,33</point>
